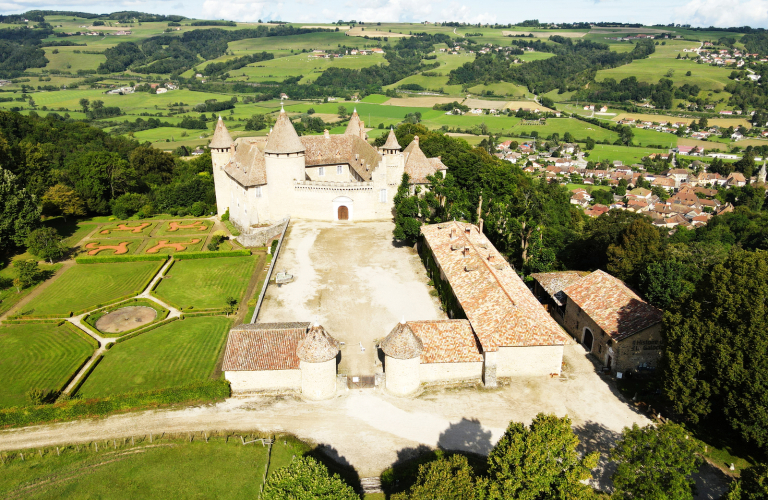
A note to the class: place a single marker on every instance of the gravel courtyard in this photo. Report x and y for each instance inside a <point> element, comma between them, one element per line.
<point>354,280</point>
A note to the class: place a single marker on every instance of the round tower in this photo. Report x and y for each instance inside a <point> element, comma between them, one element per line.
<point>317,354</point>
<point>402,349</point>
<point>222,151</point>
<point>284,162</point>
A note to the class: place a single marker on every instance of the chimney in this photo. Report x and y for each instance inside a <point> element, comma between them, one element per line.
<point>232,149</point>
<point>466,252</point>
<point>326,134</point>
<point>468,230</point>
<point>416,139</point>
<point>453,233</point>
<point>490,257</point>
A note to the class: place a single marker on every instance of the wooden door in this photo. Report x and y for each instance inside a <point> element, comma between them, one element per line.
<point>343,213</point>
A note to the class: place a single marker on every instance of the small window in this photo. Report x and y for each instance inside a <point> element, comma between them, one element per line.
<point>383,195</point>
<point>339,170</point>
<point>258,191</point>
<point>321,171</point>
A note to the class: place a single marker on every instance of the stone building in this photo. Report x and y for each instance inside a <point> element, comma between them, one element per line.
<point>277,357</point>
<point>498,330</point>
<point>327,177</point>
<point>610,320</point>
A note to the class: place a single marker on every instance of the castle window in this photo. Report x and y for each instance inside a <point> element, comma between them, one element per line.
<point>339,170</point>
<point>321,171</point>
<point>258,191</point>
<point>383,195</point>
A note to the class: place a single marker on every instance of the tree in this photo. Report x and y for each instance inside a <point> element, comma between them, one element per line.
<point>639,244</point>
<point>230,302</point>
<point>27,273</point>
<point>752,485</point>
<point>590,145</point>
<point>662,283</point>
<point>540,461</point>
<point>84,103</point>
<point>151,165</point>
<point>256,122</point>
<point>447,478</point>
<point>407,212</point>
<point>65,200</point>
<point>305,479</point>
<point>99,177</point>
<point>707,379</point>
<point>45,243</point>
<point>342,112</point>
<point>19,213</point>
<point>655,463</point>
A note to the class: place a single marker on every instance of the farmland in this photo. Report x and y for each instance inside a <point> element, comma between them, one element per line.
<point>171,355</point>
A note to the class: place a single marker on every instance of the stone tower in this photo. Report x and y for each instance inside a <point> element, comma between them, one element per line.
<point>393,159</point>
<point>356,126</point>
<point>402,349</point>
<point>317,354</point>
<point>284,162</point>
<point>761,174</point>
<point>222,150</point>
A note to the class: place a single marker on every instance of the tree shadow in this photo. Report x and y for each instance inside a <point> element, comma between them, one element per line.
<point>711,482</point>
<point>594,436</point>
<point>466,435</point>
<point>336,464</point>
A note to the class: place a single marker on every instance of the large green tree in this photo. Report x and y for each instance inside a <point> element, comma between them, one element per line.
<point>408,212</point>
<point>752,485</point>
<point>540,462</point>
<point>639,244</point>
<point>306,479</point>
<point>715,365</point>
<point>99,177</point>
<point>19,212</point>
<point>447,478</point>
<point>45,243</point>
<point>655,463</point>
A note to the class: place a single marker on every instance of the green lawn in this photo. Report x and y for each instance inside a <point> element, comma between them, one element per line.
<point>86,285</point>
<point>174,354</point>
<point>41,356</point>
<point>206,283</point>
<point>627,155</point>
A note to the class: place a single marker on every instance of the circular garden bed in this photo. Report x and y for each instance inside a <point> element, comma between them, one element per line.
<point>126,318</point>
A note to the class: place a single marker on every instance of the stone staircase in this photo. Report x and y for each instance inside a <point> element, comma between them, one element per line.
<point>371,485</point>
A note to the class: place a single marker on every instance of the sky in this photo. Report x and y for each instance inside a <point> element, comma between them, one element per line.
<point>723,13</point>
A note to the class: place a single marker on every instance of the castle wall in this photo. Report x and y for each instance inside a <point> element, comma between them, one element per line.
<point>318,380</point>
<point>530,361</point>
<point>221,180</point>
<point>330,173</point>
<point>258,381</point>
<point>450,372</point>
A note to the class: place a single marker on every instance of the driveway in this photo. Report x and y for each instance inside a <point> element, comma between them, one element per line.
<point>354,280</point>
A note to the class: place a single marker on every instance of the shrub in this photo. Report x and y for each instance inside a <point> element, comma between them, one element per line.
<point>210,255</point>
<point>198,208</point>
<point>119,258</point>
<point>225,215</point>
<point>128,204</point>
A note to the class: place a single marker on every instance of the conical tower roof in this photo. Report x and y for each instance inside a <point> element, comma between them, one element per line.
<point>402,343</point>
<point>283,139</point>
<point>221,138</point>
<point>318,346</point>
<point>354,127</point>
<point>391,140</point>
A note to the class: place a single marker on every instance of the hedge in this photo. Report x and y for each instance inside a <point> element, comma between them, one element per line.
<point>231,227</point>
<point>87,373</point>
<point>204,391</point>
<point>31,321</point>
<point>40,316</point>
<point>211,255</point>
<point>82,334</point>
<point>145,330</point>
<point>119,258</point>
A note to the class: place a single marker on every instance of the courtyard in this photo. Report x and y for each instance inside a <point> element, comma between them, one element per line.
<point>355,281</point>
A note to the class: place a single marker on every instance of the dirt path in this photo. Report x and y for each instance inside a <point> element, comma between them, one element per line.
<point>37,291</point>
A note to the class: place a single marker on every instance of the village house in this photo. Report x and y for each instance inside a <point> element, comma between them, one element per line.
<point>610,320</point>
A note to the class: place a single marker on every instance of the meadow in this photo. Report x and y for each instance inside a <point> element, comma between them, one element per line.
<point>206,283</point>
<point>172,355</point>
<point>84,286</point>
<point>626,155</point>
<point>39,356</point>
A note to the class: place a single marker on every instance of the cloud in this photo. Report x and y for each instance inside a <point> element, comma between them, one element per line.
<point>242,10</point>
<point>725,13</point>
<point>464,14</point>
<point>391,10</point>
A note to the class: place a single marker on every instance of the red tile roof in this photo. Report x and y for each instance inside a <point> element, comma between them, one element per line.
<point>500,308</point>
<point>264,346</point>
<point>612,305</point>
<point>553,283</point>
<point>447,341</point>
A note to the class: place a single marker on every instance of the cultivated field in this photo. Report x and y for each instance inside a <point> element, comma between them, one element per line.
<point>85,285</point>
<point>720,122</point>
<point>175,354</point>
<point>206,283</point>
<point>38,356</point>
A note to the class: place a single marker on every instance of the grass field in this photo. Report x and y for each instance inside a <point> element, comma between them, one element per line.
<point>206,283</point>
<point>627,155</point>
<point>86,285</point>
<point>40,356</point>
<point>651,70</point>
<point>174,354</point>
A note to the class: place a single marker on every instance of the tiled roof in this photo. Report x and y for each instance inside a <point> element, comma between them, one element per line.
<point>317,346</point>
<point>391,141</point>
<point>447,341</point>
<point>247,167</point>
<point>221,138</point>
<point>612,305</point>
<point>355,126</point>
<point>417,165</point>
<point>337,149</point>
<point>264,346</point>
<point>402,343</point>
<point>554,283</point>
<point>283,139</point>
<point>500,308</point>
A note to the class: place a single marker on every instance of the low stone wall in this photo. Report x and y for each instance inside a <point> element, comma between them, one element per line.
<point>261,236</point>
<point>532,361</point>
<point>450,372</point>
<point>264,381</point>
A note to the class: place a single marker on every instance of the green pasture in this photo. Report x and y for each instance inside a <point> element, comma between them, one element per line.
<point>501,88</point>
<point>175,354</point>
<point>159,245</point>
<point>588,187</point>
<point>309,41</point>
<point>206,283</point>
<point>86,285</point>
<point>651,70</point>
<point>67,60</point>
<point>38,356</point>
<point>301,65</point>
<point>535,56</point>
<point>375,99</point>
<point>627,155</point>
<point>165,228</point>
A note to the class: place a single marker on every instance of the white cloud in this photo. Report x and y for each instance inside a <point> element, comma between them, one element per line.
<point>242,10</point>
<point>391,10</point>
<point>464,14</point>
<point>724,13</point>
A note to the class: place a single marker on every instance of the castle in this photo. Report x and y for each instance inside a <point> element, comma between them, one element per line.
<point>261,180</point>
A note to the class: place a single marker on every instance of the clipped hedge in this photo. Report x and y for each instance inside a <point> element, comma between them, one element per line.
<point>31,321</point>
<point>211,255</point>
<point>39,316</point>
<point>119,258</point>
<point>87,373</point>
<point>231,227</point>
<point>145,330</point>
<point>204,391</point>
